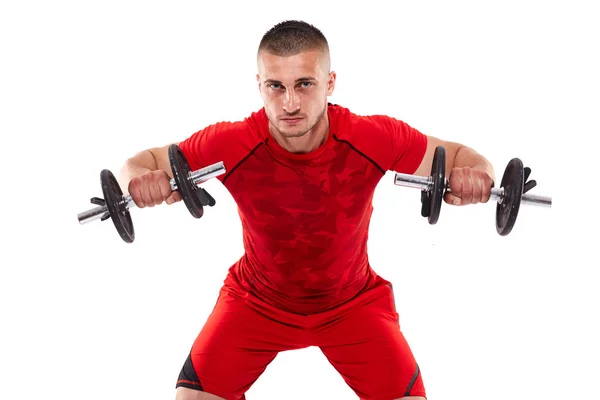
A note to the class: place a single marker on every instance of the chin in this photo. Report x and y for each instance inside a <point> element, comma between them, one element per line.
<point>290,133</point>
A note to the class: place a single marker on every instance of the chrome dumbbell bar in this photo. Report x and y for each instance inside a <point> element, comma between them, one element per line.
<point>426,184</point>
<point>197,177</point>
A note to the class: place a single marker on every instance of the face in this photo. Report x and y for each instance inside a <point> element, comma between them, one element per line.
<point>294,90</point>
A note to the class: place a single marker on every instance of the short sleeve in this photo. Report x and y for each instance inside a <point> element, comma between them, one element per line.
<point>214,143</point>
<point>226,142</point>
<point>408,146</point>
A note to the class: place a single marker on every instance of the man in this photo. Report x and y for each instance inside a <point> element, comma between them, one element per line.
<point>303,172</point>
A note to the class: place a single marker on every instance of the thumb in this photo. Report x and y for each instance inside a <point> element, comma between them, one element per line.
<point>170,200</point>
<point>452,199</point>
<point>173,198</point>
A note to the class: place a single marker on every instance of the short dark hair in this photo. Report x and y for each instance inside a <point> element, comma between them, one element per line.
<point>291,37</point>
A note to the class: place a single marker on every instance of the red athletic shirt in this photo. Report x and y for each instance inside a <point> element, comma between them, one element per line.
<point>305,217</point>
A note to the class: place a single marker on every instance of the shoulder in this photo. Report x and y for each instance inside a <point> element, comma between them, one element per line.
<point>226,141</point>
<point>359,127</point>
<point>229,133</point>
<point>383,138</point>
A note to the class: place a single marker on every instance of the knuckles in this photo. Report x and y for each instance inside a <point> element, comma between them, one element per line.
<point>470,185</point>
<point>150,189</point>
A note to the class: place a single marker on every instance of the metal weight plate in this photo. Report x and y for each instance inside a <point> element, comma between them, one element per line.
<point>507,210</point>
<point>188,190</point>
<point>113,198</point>
<point>432,199</point>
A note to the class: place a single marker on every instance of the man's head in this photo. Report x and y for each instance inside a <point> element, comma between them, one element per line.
<point>294,77</point>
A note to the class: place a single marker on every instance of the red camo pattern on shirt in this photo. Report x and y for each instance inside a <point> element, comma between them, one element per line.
<point>305,217</point>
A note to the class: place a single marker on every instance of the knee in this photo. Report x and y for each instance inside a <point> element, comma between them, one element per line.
<point>193,394</point>
<point>186,394</point>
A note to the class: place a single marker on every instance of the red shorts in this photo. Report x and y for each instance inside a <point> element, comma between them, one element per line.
<point>361,339</point>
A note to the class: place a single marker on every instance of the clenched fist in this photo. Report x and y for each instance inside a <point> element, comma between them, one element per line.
<point>468,186</point>
<point>152,188</point>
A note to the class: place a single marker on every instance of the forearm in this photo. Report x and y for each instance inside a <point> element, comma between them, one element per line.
<point>140,163</point>
<point>467,157</point>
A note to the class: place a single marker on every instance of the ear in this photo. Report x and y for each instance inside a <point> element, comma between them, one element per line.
<point>258,80</point>
<point>331,83</point>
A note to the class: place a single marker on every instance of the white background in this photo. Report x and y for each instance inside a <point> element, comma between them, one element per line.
<point>84,85</point>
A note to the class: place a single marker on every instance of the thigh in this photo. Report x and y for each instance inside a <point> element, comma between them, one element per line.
<point>367,347</point>
<point>234,347</point>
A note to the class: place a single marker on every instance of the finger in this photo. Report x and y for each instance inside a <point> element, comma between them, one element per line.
<point>161,189</point>
<point>486,188</point>
<point>135,192</point>
<point>146,195</point>
<point>165,189</point>
<point>478,184</point>
<point>155,192</point>
<point>466,193</point>
<point>455,181</point>
<point>136,195</point>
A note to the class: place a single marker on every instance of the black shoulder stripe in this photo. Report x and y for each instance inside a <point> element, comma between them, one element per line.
<point>361,153</point>
<point>242,161</point>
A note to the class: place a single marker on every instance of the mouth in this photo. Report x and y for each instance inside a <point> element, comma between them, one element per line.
<point>291,121</point>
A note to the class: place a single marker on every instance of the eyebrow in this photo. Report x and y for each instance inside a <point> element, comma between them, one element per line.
<point>303,79</point>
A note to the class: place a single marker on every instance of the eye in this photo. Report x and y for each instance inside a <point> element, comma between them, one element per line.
<point>306,84</point>
<point>275,86</point>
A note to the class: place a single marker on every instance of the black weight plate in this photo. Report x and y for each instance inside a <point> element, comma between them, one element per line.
<point>188,190</point>
<point>435,196</point>
<point>113,196</point>
<point>507,210</point>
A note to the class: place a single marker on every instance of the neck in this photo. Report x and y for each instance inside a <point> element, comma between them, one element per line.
<point>310,141</point>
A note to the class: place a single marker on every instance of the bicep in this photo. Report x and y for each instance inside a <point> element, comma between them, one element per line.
<point>451,148</point>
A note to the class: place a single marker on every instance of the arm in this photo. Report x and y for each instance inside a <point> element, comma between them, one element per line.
<point>153,159</point>
<point>471,175</point>
<point>146,176</point>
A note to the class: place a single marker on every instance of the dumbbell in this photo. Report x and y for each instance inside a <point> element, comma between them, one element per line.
<point>116,206</point>
<point>509,196</point>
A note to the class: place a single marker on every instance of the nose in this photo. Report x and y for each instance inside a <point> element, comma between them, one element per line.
<point>291,103</point>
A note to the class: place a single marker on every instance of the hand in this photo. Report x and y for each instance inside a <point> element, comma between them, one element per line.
<point>468,186</point>
<point>152,188</point>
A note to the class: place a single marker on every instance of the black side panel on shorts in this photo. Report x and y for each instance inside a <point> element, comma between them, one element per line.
<point>412,382</point>
<point>187,376</point>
